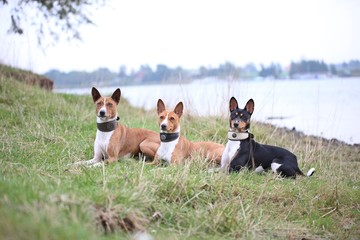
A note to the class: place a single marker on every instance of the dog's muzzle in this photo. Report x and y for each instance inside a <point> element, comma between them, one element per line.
<point>163,127</point>
<point>102,113</point>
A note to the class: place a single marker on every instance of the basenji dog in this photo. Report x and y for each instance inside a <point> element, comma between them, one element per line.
<point>113,140</point>
<point>242,151</point>
<point>175,148</point>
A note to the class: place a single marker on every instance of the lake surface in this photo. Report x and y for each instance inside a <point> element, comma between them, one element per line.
<point>321,107</point>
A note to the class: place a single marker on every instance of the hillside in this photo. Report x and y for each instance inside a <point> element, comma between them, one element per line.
<point>27,77</point>
<point>41,198</point>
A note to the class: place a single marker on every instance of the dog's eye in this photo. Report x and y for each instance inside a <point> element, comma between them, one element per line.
<point>109,104</point>
<point>172,118</point>
<point>161,117</point>
<point>98,104</point>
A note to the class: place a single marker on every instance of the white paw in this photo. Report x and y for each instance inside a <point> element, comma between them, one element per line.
<point>259,169</point>
<point>275,166</point>
<point>97,164</point>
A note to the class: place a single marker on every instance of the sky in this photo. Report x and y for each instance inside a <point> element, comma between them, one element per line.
<point>191,34</point>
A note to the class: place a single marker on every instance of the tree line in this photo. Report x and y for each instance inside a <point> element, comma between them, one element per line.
<point>164,74</point>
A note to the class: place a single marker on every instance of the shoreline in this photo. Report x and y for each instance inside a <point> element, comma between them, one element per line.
<point>301,135</point>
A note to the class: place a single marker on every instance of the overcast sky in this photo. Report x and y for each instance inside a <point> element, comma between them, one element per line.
<point>198,33</point>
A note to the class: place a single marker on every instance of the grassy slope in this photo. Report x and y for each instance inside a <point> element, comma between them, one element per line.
<point>41,132</point>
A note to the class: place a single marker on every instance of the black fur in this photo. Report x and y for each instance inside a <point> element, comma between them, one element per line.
<point>262,155</point>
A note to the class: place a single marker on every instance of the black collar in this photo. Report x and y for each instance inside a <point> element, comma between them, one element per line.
<point>107,126</point>
<point>168,137</point>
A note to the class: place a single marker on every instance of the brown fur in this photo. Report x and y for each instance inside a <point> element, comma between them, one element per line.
<point>125,141</point>
<point>184,149</point>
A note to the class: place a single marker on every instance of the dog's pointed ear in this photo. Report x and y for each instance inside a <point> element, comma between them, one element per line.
<point>160,106</point>
<point>116,95</point>
<point>233,104</point>
<point>95,94</point>
<point>179,109</point>
<point>250,105</point>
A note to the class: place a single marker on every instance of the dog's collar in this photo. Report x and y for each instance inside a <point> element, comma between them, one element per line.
<point>238,136</point>
<point>168,137</point>
<point>108,126</point>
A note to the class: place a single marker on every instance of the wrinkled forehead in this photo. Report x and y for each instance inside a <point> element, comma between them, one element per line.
<point>239,113</point>
<point>164,113</point>
<point>99,101</point>
<point>102,100</point>
<point>168,114</point>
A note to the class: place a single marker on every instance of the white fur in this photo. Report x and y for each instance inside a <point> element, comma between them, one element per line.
<point>310,172</point>
<point>101,144</point>
<point>275,167</point>
<point>259,169</point>
<point>229,152</point>
<point>164,122</point>
<point>166,150</point>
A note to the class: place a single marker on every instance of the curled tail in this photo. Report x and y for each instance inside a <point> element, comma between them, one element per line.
<point>310,172</point>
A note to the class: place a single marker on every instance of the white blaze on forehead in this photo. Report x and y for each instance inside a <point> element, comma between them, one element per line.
<point>165,121</point>
<point>104,106</point>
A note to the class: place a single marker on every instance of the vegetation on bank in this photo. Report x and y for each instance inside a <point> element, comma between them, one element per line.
<point>42,198</point>
<point>305,69</point>
<point>25,77</point>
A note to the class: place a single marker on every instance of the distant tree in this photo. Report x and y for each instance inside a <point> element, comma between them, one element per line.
<point>293,68</point>
<point>122,71</point>
<point>333,70</point>
<point>178,73</point>
<point>227,69</point>
<point>162,72</point>
<point>101,76</point>
<point>203,72</point>
<point>57,18</point>
<point>249,71</point>
<point>144,74</point>
<point>323,67</point>
<point>274,70</point>
<point>308,66</point>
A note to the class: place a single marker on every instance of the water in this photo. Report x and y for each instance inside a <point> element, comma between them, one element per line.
<point>326,107</point>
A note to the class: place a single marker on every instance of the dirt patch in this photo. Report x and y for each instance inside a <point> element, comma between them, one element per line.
<point>112,220</point>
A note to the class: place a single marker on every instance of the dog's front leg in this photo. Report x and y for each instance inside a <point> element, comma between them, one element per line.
<point>87,162</point>
<point>229,152</point>
<point>156,161</point>
<point>225,160</point>
<point>96,159</point>
<point>98,156</point>
<point>239,161</point>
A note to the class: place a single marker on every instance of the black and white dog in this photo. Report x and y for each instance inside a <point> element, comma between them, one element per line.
<point>242,151</point>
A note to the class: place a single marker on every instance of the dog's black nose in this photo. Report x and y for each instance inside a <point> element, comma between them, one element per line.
<point>163,126</point>
<point>236,125</point>
<point>102,113</point>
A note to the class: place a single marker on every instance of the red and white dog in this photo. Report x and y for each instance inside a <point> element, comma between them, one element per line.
<point>113,140</point>
<point>174,148</point>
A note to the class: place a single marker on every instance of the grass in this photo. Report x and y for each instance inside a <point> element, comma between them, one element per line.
<point>40,198</point>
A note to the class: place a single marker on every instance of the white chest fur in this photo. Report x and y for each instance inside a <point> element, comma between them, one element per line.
<point>229,152</point>
<point>166,150</point>
<point>102,142</point>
